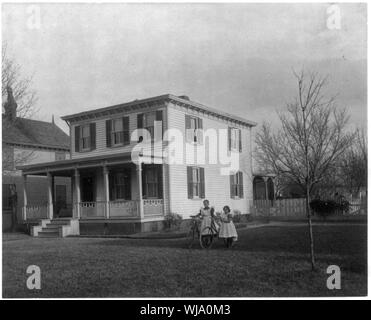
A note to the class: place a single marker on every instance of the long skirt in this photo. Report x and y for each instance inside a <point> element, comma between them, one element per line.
<point>228,230</point>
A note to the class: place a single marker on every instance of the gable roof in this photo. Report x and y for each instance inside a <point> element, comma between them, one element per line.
<point>34,133</point>
<point>136,104</point>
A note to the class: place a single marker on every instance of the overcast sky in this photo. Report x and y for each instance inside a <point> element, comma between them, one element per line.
<point>235,57</point>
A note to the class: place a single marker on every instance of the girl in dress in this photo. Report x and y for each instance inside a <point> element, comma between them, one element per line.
<point>206,214</point>
<point>227,228</point>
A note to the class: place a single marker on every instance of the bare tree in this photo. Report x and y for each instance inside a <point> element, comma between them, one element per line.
<point>310,140</point>
<point>11,77</point>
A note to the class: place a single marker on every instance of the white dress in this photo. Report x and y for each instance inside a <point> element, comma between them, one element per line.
<point>227,228</point>
<point>206,219</point>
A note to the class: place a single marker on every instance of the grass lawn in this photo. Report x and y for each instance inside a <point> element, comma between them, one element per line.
<point>267,261</point>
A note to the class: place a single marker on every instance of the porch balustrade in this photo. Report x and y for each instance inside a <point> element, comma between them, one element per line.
<point>153,207</point>
<point>35,212</point>
<point>123,208</point>
<point>91,210</point>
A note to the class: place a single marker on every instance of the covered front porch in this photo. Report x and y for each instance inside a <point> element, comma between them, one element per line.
<point>103,189</point>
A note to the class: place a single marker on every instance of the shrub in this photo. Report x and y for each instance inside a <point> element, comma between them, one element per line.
<point>237,216</point>
<point>325,208</point>
<point>173,221</point>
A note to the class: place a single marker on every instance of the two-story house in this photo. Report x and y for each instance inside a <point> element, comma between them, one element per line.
<point>27,142</point>
<point>133,163</point>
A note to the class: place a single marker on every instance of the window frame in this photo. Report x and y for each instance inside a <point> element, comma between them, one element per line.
<point>88,147</point>
<point>236,184</point>
<point>195,121</point>
<point>122,185</point>
<point>235,139</point>
<point>154,183</point>
<point>196,185</point>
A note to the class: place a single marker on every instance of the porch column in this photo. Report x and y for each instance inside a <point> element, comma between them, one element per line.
<point>78,195</point>
<point>24,197</point>
<point>50,195</point>
<point>140,190</point>
<point>106,189</point>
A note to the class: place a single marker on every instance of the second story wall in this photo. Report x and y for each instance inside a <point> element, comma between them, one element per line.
<point>101,146</point>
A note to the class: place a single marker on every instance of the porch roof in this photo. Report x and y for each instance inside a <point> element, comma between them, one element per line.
<point>86,162</point>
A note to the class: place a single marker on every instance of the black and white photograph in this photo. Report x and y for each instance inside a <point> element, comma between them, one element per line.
<point>184,150</point>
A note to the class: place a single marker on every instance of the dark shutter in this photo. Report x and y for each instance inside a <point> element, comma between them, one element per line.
<point>159,117</point>
<point>229,139</point>
<point>189,136</point>
<point>111,176</point>
<point>125,129</point>
<point>202,177</point>
<point>108,133</point>
<point>240,184</point>
<point>159,182</point>
<point>127,185</point>
<point>92,136</point>
<point>140,120</point>
<point>239,140</point>
<point>77,138</point>
<point>200,131</point>
<point>144,187</point>
<point>189,182</point>
<point>231,181</point>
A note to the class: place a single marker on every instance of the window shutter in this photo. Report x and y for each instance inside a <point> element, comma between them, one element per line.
<point>108,132</point>
<point>229,139</point>
<point>144,186</point>
<point>200,131</point>
<point>159,181</point>
<point>140,120</point>
<point>160,118</point>
<point>202,177</point>
<point>128,186</point>
<point>125,129</point>
<point>240,184</point>
<point>231,181</point>
<point>111,185</point>
<point>189,135</point>
<point>92,136</point>
<point>189,182</point>
<point>77,138</point>
<point>240,140</point>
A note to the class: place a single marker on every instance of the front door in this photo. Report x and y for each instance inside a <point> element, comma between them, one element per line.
<point>61,201</point>
<point>87,189</point>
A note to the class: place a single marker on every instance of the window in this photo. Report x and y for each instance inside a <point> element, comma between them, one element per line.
<point>8,191</point>
<point>235,139</point>
<point>60,155</point>
<point>148,122</point>
<point>196,182</point>
<point>117,132</point>
<point>236,181</point>
<point>85,137</point>
<point>193,126</point>
<point>151,177</point>
<point>121,185</point>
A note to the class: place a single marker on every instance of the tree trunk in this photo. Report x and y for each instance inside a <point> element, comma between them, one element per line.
<point>311,240</point>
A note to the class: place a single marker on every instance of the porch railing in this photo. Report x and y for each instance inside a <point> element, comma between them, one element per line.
<point>153,207</point>
<point>123,208</point>
<point>35,212</point>
<point>91,210</point>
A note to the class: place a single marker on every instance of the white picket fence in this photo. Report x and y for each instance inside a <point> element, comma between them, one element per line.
<point>295,208</point>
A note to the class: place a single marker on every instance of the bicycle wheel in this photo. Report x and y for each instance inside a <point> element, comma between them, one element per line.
<point>206,238</point>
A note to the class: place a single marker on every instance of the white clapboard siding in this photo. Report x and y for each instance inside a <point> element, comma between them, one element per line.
<point>101,148</point>
<point>217,186</point>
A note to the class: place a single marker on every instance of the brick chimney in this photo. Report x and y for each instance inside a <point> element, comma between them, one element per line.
<point>10,105</point>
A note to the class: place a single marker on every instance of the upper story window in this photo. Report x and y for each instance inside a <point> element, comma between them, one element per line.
<point>60,155</point>
<point>236,181</point>
<point>193,127</point>
<point>117,132</point>
<point>85,137</point>
<point>196,182</point>
<point>235,142</point>
<point>147,121</point>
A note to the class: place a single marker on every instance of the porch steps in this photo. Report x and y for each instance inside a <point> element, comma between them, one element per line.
<point>56,228</point>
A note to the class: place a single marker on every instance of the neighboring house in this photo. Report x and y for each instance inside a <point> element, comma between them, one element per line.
<point>112,193</point>
<point>26,142</point>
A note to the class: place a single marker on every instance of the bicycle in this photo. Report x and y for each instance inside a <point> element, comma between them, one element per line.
<point>194,230</point>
